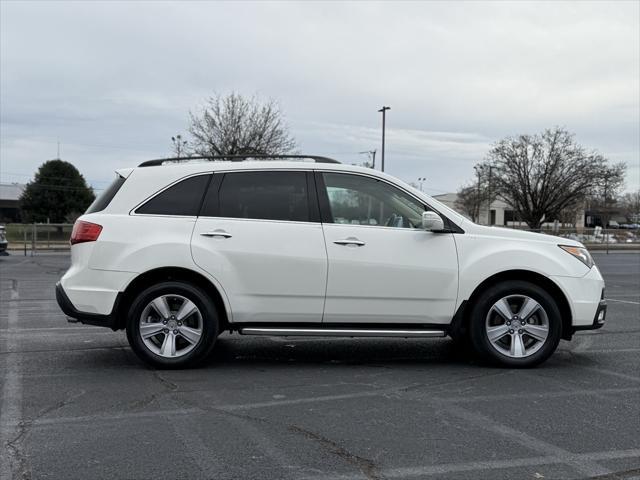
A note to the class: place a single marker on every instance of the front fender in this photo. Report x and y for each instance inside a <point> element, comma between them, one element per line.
<point>481,257</point>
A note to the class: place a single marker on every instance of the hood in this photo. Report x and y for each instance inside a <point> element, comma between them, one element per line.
<point>523,235</point>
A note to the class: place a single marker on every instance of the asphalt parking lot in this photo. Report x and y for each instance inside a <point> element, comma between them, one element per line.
<point>76,403</point>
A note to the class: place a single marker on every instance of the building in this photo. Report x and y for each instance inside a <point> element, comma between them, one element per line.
<point>10,194</point>
<point>499,213</point>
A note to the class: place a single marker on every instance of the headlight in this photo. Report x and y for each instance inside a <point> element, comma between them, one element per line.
<point>580,253</point>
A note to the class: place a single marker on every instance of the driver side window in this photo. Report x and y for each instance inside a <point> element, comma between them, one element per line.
<point>360,200</point>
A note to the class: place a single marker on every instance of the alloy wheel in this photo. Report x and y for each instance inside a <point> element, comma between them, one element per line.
<point>171,326</point>
<point>517,326</point>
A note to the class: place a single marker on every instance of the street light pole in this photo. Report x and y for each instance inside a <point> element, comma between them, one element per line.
<point>384,114</point>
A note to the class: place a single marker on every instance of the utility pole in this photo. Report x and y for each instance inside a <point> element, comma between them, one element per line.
<point>372,155</point>
<point>179,145</point>
<point>605,219</point>
<point>420,180</point>
<point>489,197</point>
<point>383,110</point>
<point>480,169</point>
<point>478,201</point>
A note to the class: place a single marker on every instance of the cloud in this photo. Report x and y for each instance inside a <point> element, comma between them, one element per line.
<point>114,80</point>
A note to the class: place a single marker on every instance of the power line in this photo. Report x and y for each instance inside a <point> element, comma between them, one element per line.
<point>15,174</point>
<point>61,187</point>
<point>138,147</point>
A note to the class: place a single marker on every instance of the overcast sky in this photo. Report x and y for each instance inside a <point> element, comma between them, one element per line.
<point>115,80</point>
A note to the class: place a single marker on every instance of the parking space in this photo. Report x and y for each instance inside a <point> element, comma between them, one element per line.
<point>76,403</point>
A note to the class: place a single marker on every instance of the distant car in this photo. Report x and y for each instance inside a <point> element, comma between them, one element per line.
<point>177,251</point>
<point>613,224</point>
<point>3,239</point>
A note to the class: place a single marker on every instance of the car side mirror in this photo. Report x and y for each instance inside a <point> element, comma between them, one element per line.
<point>432,222</point>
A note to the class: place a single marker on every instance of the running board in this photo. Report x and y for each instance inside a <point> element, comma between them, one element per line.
<point>340,332</point>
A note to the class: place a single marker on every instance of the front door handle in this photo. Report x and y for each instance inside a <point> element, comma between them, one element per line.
<point>217,233</point>
<point>350,241</point>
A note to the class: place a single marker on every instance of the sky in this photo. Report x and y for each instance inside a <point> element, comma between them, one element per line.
<point>113,81</point>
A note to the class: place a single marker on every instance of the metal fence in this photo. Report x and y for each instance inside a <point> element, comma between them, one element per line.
<point>31,238</point>
<point>595,237</point>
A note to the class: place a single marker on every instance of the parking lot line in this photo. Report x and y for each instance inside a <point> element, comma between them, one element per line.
<point>109,417</point>
<point>485,465</point>
<point>622,301</point>
<point>11,428</point>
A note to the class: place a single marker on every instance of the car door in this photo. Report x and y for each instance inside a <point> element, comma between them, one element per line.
<point>259,236</point>
<point>383,267</point>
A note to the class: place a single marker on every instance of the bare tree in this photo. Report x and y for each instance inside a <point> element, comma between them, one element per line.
<point>630,206</point>
<point>539,176</point>
<point>472,198</point>
<point>468,201</point>
<point>607,190</point>
<point>238,125</point>
<point>476,197</point>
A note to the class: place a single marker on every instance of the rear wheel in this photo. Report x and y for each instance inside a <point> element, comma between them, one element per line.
<point>172,325</point>
<point>516,324</point>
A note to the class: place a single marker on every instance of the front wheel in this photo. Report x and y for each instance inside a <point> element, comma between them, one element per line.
<point>172,324</point>
<point>516,324</point>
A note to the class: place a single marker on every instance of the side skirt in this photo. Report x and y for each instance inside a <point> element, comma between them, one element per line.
<point>340,330</point>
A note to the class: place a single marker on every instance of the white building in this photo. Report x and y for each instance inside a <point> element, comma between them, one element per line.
<point>499,213</point>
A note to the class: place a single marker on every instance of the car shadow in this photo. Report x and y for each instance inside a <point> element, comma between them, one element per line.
<point>237,350</point>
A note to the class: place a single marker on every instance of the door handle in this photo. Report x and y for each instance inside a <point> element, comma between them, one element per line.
<point>217,233</point>
<point>350,241</point>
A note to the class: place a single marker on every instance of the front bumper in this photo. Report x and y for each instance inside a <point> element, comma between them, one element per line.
<point>585,296</point>
<point>598,319</point>
<point>74,315</point>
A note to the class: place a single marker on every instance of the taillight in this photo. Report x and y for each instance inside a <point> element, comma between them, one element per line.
<point>85,232</point>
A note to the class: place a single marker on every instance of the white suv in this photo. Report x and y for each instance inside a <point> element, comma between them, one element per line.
<point>178,251</point>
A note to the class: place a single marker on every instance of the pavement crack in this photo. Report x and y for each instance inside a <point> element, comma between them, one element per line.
<point>168,387</point>
<point>16,447</point>
<point>168,384</point>
<point>366,466</point>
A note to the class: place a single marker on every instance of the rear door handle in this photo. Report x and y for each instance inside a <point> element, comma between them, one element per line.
<point>217,233</point>
<point>350,241</point>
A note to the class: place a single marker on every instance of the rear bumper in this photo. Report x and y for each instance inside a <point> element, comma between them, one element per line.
<point>109,321</point>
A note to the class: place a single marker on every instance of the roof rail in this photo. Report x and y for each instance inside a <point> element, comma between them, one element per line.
<point>236,158</point>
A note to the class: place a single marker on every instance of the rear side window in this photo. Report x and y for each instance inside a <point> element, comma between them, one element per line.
<point>183,198</point>
<point>264,195</point>
<point>104,199</point>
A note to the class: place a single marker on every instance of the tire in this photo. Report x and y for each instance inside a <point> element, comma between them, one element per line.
<point>515,342</point>
<point>172,324</point>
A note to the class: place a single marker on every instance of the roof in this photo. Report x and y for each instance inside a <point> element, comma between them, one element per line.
<point>179,169</point>
<point>11,191</point>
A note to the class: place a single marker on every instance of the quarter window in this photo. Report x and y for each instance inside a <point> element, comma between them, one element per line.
<point>359,200</point>
<point>104,199</point>
<point>183,198</point>
<point>269,195</point>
